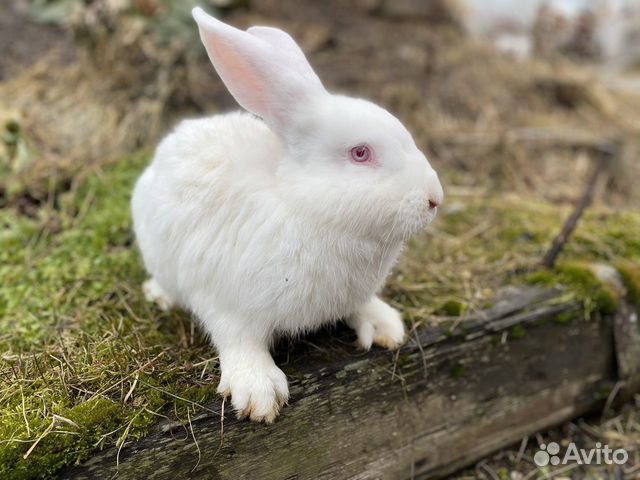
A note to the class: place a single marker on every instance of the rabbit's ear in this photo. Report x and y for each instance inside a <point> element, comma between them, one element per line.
<point>263,68</point>
<point>282,41</point>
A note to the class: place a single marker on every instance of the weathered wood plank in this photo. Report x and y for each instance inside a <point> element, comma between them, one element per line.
<point>439,404</point>
<point>627,341</point>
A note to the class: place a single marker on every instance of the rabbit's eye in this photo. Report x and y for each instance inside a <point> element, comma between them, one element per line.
<point>360,154</point>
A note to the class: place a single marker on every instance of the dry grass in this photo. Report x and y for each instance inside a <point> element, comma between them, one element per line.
<point>465,103</point>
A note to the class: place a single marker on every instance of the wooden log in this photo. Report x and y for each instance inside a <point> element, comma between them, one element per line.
<point>627,342</point>
<point>441,403</point>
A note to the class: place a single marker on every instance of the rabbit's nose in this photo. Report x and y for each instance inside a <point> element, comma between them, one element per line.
<point>433,189</point>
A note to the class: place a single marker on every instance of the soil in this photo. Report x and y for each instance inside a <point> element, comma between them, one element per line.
<point>24,42</point>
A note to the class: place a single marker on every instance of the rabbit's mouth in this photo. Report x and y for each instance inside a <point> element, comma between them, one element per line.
<point>416,212</point>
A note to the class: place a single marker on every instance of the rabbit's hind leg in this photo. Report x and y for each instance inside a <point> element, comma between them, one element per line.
<point>153,292</point>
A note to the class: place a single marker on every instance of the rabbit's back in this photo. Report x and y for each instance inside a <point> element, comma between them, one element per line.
<point>206,147</point>
<point>200,179</point>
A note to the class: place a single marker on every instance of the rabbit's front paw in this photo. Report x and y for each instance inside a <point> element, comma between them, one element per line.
<point>258,389</point>
<point>376,322</point>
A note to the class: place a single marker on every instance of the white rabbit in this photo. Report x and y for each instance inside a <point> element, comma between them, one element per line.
<point>271,226</point>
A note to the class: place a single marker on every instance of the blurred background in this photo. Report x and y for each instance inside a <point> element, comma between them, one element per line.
<point>508,99</point>
<point>94,79</point>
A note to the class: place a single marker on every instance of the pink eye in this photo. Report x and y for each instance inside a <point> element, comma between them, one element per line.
<point>360,154</point>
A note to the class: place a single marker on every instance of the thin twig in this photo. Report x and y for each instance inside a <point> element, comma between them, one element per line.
<point>606,152</point>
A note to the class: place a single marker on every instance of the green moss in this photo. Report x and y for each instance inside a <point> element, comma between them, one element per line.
<point>518,332</point>
<point>630,273</point>
<point>564,318</point>
<point>77,340</point>
<point>66,443</point>
<point>451,308</point>
<point>595,295</point>
<point>503,473</point>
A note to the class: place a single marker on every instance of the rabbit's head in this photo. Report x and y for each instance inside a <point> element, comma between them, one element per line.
<point>348,163</point>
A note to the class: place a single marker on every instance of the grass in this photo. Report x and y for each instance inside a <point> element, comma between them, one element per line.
<point>478,245</point>
<point>87,364</point>
<point>630,273</point>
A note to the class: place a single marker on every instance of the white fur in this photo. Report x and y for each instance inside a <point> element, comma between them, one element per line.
<point>153,292</point>
<point>263,228</point>
<point>376,322</point>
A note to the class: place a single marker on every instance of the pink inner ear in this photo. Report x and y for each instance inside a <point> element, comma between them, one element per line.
<point>239,77</point>
<point>266,72</point>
